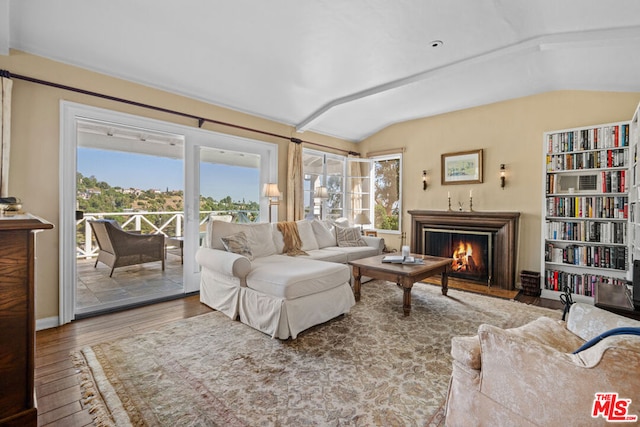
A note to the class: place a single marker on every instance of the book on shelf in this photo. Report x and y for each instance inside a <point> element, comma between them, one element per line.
<point>399,259</point>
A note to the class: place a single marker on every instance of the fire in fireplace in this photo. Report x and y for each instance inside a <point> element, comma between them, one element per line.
<point>470,250</point>
<point>463,260</point>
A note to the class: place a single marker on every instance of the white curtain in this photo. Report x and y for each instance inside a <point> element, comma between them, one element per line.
<point>5,133</point>
<point>295,190</point>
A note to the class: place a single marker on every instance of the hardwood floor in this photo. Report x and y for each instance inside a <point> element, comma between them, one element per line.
<point>57,381</point>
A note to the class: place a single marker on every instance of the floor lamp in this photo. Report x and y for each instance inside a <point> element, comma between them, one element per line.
<point>322,194</point>
<point>271,191</point>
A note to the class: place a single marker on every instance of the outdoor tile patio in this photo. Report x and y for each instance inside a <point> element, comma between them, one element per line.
<point>96,291</point>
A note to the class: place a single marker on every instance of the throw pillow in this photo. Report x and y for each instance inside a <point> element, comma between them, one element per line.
<point>324,236</point>
<point>307,237</point>
<point>238,244</point>
<point>349,237</point>
<point>260,238</point>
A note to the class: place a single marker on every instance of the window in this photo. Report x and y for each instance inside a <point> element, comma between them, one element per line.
<point>323,184</point>
<point>337,187</point>
<point>387,199</point>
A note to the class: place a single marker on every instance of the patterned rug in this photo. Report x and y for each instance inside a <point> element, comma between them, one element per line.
<point>371,367</point>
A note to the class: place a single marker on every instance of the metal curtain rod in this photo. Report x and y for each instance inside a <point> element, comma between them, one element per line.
<point>201,120</point>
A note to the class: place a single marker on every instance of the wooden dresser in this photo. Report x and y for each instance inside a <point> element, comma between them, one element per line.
<point>17,318</point>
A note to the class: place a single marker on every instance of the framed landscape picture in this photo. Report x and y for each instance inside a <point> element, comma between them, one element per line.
<point>464,167</point>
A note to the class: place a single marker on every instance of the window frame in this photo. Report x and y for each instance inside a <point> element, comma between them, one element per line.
<point>374,160</point>
<point>322,211</point>
<point>348,210</point>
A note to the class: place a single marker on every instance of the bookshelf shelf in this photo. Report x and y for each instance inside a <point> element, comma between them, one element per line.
<point>586,209</point>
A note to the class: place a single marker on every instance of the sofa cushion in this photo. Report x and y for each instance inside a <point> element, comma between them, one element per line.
<point>356,252</point>
<point>588,321</point>
<point>238,244</point>
<point>307,236</point>
<point>281,277</point>
<point>259,236</point>
<point>327,254</point>
<point>349,237</point>
<point>549,332</point>
<point>324,236</point>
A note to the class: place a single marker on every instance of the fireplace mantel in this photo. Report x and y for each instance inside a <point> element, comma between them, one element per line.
<point>504,224</point>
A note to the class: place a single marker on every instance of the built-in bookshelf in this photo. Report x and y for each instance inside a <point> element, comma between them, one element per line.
<point>587,209</point>
<point>634,185</point>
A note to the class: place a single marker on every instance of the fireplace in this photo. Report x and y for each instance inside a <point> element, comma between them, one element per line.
<point>493,240</point>
<point>471,252</point>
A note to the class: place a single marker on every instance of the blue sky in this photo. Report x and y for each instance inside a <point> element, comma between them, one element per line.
<point>145,172</point>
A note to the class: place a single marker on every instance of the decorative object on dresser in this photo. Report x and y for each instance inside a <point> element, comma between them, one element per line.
<point>585,210</point>
<point>17,318</point>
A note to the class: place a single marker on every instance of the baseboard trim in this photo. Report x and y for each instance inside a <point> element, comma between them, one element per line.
<point>47,323</point>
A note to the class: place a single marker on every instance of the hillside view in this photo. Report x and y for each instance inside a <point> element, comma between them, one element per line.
<point>98,196</point>
<point>94,196</point>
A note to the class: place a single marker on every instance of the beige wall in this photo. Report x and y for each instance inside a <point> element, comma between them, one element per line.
<point>509,132</point>
<point>34,170</point>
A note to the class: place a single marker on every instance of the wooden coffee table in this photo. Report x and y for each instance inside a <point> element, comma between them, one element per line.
<point>404,275</point>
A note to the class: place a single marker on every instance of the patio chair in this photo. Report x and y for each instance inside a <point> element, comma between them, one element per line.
<point>120,248</point>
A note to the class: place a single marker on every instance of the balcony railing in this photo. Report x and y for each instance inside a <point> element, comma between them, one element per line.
<point>171,224</point>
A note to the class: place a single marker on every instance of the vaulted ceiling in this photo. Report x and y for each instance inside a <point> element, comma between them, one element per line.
<point>341,68</point>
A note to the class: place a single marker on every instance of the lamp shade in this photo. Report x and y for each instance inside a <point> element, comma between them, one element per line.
<point>361,219</point>
<point>322,193</point>
<point>271,190</point>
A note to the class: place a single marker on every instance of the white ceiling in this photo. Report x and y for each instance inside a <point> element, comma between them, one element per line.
<point>341,68</point>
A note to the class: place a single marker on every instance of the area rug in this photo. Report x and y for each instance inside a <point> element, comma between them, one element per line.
<point>371,367</point>
<point>464,285</point>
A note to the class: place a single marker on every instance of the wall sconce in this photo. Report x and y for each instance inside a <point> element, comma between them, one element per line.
<point>503,177</point>
<point>424,180</point>
<point>271,191</point>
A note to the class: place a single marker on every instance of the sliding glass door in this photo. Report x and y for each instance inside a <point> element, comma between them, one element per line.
<point>132,177</point>
<point>194,174</point>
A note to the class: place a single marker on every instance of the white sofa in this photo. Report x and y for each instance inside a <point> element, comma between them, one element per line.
<point>278,294</point>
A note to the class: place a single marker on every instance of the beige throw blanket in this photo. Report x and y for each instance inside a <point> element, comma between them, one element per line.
<point>291,237</point>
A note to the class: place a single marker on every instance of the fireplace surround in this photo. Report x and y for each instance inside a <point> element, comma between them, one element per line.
<point>502,225</point>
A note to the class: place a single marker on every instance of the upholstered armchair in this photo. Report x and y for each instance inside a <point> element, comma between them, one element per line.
<point>530,376</point>
<point>119,248</point>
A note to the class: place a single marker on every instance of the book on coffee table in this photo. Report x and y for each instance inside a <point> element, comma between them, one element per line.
<point>399,259</point>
